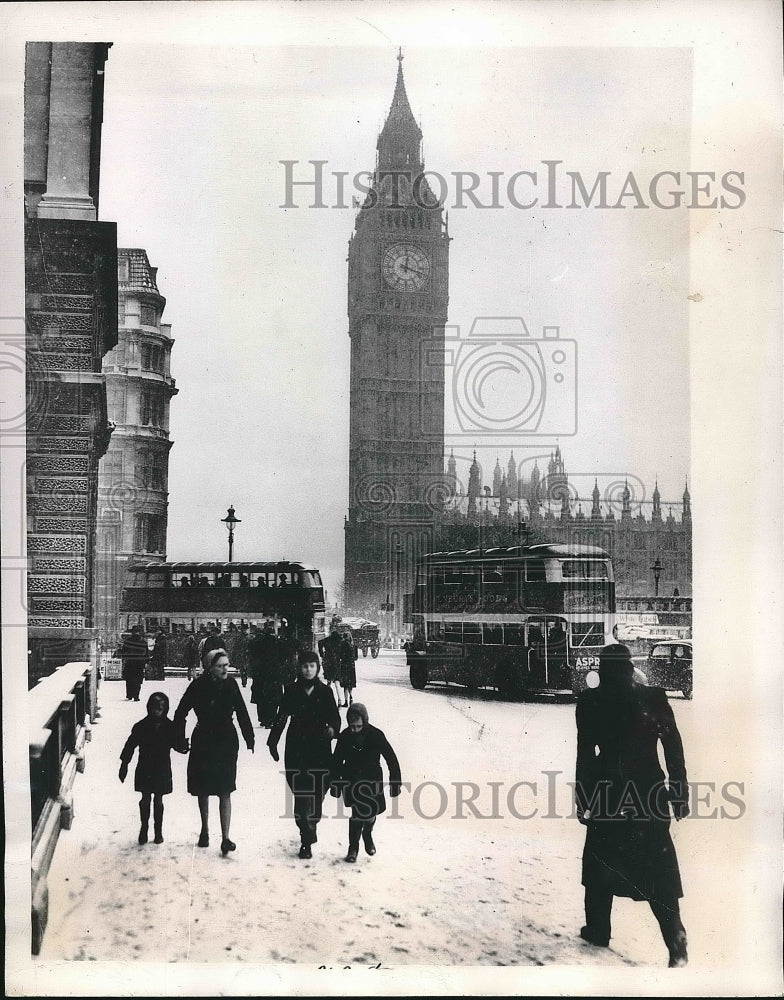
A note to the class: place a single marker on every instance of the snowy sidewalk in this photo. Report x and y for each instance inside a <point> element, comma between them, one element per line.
<point>439,892</point>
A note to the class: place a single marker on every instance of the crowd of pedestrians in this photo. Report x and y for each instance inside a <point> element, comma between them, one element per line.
<point>623,796</point>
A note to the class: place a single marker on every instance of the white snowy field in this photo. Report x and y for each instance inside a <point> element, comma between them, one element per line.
<point>493,890</point>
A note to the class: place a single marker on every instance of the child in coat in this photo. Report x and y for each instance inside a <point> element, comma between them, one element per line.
<point>155,736</point>
<point>356,770</point>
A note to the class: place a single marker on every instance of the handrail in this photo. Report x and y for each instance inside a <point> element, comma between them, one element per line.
<point>61,710</point>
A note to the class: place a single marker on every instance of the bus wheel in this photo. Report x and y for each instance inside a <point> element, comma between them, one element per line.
<point>374,652</point>
<point>687,687</point>
<point>364,650</point>
<point>417,674</point>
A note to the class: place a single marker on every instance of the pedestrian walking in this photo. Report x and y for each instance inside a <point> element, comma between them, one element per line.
<point>134,654</point>
<point>190,655</point>
<point>356,772</point>
<point>264,670</point>
<point>288,655</point>
<point>331,652</point>
<point>212,640</point>
<point>309,707</point>
<point>212,766</point>
<point>348,669</point>
<point>624,802</point>
<point>237,649</point>
<point>155,737</point>
<point>159,657</point>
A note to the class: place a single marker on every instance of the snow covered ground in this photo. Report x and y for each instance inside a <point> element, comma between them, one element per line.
<point>448,890</point>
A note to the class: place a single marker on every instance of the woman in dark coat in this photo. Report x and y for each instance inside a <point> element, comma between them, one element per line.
<point>155,736</point>
<point>356,769</point>
<point>309,707</point>
<point>212,765</point>
<point>347,669</point>
<point>624,801</point>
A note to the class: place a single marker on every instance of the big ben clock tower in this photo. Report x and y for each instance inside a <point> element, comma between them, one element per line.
<point>398,289</point>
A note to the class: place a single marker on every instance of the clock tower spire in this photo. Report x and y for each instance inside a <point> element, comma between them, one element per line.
<point>398,284</point>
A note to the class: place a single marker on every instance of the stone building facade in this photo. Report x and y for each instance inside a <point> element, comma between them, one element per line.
<point>71,322</point>
<point>637,533</point>
<point>133,474</point>
<point>398,285</point>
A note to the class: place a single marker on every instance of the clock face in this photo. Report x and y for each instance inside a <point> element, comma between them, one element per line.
<point>405,267</point>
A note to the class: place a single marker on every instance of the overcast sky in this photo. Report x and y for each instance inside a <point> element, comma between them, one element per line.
<point>256,294</point>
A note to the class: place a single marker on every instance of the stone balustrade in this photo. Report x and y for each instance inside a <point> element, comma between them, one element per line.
<point>61,710</point>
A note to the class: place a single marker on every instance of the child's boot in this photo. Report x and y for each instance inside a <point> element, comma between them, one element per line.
<point>367,837</point>
<point>144,814</point>
<point>354,830</point>
<point>158,821</point>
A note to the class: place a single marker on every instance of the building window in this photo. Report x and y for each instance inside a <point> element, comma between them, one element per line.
<point>153,471</point>
<point>121,311</point>
<point>152,358</point>
<point>111,466</point>
<point>152,408</point>
<point>150,533</point>
<point>123,270</point>
<point>149,316</point>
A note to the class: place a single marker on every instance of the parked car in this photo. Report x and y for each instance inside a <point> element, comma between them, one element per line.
<point>669,666</point>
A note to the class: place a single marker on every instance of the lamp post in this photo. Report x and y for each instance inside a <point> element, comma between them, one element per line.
<point>230,521</point>
<point>398,554</point>
<point>657,568</point>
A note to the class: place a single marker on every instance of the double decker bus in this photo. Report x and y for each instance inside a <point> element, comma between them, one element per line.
<point>528,619</point>
<point>186,596</point>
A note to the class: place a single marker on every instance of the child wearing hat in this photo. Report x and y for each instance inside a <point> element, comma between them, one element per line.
<point>155,736</point>
<point>356,770</point>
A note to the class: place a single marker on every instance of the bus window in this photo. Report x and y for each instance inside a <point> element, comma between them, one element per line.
<point>583,569</point>
<point>492,574</point>
<point>435,631</point>
<point>514,634</point>
<point>587,634</point>
<point>453,632</point>
<point>493,635</point>
<point>452,578</point>
<point>472,633</point>
<point>534,571</point>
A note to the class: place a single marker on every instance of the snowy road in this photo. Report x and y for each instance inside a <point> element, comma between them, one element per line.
<point>447,886</point>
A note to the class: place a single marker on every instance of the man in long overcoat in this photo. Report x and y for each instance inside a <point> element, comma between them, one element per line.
<point>264,671</point>
<point>624,801</point>
<point>134,654</point>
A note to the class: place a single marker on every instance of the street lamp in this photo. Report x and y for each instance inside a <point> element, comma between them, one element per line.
<point>657,568</point>
<point>230,521</point>
<point>398,554</point>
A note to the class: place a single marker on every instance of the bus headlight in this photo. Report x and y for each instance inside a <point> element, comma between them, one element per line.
<point>592,679</point>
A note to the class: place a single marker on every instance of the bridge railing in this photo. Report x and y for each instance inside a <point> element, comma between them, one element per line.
<point>62,710</point>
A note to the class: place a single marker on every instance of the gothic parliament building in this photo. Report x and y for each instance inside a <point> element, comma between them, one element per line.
<point>402,501</point>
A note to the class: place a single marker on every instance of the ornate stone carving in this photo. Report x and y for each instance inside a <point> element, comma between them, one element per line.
<point>71,484</point>
<point>55,585</point>
<point>56,543</point>
<point>61,524</point>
